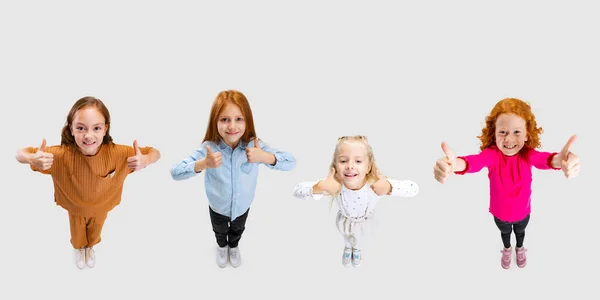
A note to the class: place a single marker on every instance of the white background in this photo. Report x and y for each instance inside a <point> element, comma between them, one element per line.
<point>408,76</point>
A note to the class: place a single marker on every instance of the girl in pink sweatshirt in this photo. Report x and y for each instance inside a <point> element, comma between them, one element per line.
<point>508,143</point>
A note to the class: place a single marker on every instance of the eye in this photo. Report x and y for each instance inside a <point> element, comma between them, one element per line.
<point>517,132</point>
<point>502,132</point>
<point>79,128</point>
<point>98,128</point>
<point>224,119</point>
<point>358,161</point>
<point>240,119</point>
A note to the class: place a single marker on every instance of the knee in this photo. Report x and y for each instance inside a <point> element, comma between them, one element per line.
<point>520,231</point>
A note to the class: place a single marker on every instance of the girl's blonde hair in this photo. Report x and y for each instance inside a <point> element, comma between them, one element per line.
<point>221,101</point>
<point>519,108</point>
<point>371,175</point>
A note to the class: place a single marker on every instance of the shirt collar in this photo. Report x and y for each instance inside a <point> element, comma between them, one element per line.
<point>362,189</point>
<point>222,145</point>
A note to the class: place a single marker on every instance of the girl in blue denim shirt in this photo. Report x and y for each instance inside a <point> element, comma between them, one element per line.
<point>230,155</point>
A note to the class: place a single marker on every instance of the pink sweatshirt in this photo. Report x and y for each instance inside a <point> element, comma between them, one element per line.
<point>510,179</point>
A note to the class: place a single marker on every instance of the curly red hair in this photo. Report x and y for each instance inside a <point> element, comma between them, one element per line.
<point>517,107</point>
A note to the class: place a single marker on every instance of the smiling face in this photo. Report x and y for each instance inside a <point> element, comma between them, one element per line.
<point>352,164</point>
<point>231,125</point>
<point>88,129</point>
<point>511,133</point>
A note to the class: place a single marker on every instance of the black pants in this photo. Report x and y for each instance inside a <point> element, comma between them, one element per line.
<point>227,232</point>
<point>507,227</point>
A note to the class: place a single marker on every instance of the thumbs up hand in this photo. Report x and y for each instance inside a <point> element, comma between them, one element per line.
<point>382,186</point>
<point>255,154</point>
<point>138,161</point>
<point>568,161</point>
<point>213,160</point>
<point>329,185</point>
<point>445,165</point>
<point>42,160</point>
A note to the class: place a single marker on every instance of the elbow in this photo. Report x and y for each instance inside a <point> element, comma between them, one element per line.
<point>175,174</point>
<point>290,164</point>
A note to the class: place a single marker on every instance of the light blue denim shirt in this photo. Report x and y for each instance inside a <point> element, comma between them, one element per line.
<point>230,188</point>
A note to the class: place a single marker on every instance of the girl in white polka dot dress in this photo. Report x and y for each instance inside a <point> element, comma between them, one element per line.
<point>355,184</point>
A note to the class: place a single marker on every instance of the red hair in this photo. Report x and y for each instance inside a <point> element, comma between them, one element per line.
<point>221,101</point>
<point>511,106</point>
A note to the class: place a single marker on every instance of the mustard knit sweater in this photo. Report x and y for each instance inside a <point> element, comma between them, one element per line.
<point>89,185</point>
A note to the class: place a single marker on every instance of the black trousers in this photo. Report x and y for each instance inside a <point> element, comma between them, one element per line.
<point>227,232</point>
<point>506,229</point>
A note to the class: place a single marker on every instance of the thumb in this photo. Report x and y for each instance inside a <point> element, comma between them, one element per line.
<point>136,148</point>
<point>331,172</point>
<point>208,151</point>
<point>256,144</point>
<point>449,154</point>
<point>567,148</point>
<point>43,146</point>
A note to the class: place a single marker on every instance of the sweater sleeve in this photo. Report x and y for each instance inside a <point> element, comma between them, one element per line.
<point>541,160</point>
<point>304,191</point>
<point>55,150</point>
<point>404,188</point>
<point>476,162</point>
<point>128,151</point>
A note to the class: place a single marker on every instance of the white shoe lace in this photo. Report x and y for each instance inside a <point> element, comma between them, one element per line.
<point>233,253</point>
<point>222,252</point>
<point>89,254</point>
<point>81,254</point>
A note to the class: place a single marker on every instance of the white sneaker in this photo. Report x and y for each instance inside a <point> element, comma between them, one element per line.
<point>80,258</point>
<point>356,257</point>
<point>90,257</point>
<point>222,256</point>
<point>235,258</point>
<point>347,256</point>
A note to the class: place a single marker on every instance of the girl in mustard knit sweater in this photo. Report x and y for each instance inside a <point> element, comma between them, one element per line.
<point>88,171</point>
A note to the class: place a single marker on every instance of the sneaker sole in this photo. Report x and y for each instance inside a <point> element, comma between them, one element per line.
<point>235,266</point>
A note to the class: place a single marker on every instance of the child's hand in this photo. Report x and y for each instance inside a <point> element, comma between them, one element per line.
<point>255,154</point>
<point>445,165</point>
<point>138,161</point>
<point>382,186</point>
<point>42,160</point>
<point>329,185</point>
<point>213,160</point>
<point>569,162</point>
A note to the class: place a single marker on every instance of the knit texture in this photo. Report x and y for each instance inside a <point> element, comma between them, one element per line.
<point>89,186</point>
